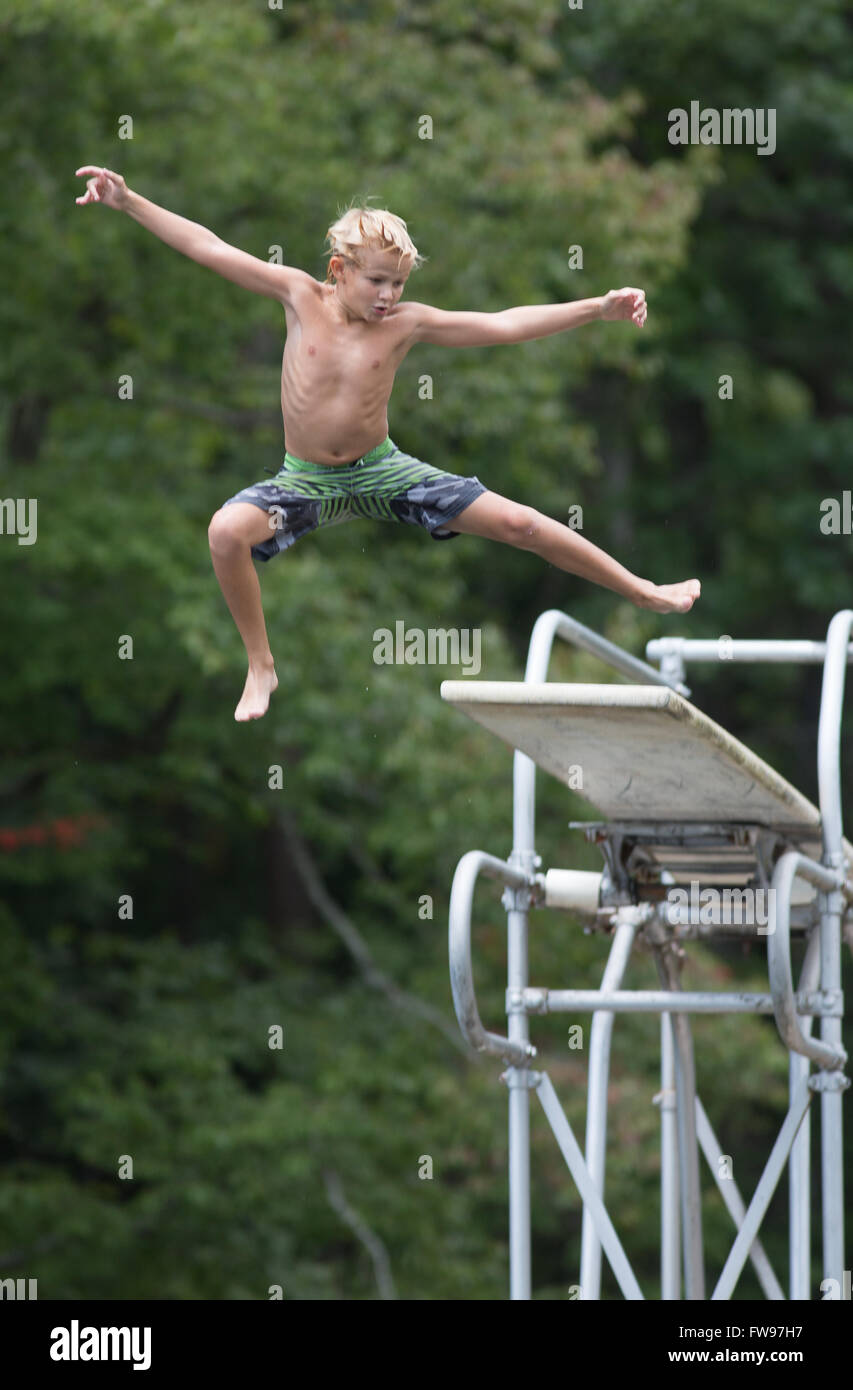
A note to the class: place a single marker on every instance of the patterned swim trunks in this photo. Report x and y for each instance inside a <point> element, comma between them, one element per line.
<point>384,485</point>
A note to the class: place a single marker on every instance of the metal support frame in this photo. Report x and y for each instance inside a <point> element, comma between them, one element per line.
<point>685,1130</point>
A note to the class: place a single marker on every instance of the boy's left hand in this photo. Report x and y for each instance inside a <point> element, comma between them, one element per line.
<point>625,304</point>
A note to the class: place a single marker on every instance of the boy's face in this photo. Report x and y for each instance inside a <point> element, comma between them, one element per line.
<point>371,290</point>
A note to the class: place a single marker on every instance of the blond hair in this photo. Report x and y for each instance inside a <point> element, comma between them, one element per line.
<point>370,229</point>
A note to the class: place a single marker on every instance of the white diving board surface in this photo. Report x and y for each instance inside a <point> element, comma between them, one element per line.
<point>645,753</point>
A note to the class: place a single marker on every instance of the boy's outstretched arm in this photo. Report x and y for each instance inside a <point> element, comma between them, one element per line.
<point>190,238</point>
<point>541,320</point>
<point>527,321</point>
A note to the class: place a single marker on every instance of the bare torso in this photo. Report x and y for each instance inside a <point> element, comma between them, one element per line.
<point>337,376</point>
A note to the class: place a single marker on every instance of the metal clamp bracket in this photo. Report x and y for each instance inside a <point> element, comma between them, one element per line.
<point>829,1081</point>
<point>521,1078</point>
<point>825,1003</point>
<point>521,899</point>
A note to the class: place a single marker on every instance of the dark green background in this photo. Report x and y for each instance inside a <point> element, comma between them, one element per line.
<point>148,1037</point>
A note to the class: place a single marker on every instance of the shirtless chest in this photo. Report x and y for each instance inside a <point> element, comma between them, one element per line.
<point>337,376</point>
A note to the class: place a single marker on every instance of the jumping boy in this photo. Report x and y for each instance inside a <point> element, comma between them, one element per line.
<point>345,340</point>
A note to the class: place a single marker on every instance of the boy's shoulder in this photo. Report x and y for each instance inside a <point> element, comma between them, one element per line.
<point>304,295</point>
<point>411,315</point>
<point>301,280</point>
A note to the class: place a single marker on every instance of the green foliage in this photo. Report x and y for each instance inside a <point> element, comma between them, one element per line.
<point>148,1036</point>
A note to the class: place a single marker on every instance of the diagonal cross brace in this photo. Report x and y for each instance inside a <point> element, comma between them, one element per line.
<point>583,1181</point>
<point>800,1102</point>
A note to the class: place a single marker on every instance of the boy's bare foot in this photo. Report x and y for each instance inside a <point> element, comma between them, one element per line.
<point>260,684</point>
<point>671,598</point>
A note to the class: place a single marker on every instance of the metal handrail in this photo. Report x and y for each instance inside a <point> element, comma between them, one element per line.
<point>549,625</point>
<point>829,735</point>
<point>772,649</point>
<point>470,866</point>
<point>793,865</point>
<point>554,623</point>
<point>674,652</point>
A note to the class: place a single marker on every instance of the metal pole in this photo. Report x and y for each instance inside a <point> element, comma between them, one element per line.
<point>523,857</point>
<point>723,649</point>
<point>669,1194</point>
<point>650,1001</point>
<point>547,626</point>
<point>517,1080</point>
<point>829,782</point>
<point>799,1164</point>
<point>688,1146</point>
<point>596,1110</point>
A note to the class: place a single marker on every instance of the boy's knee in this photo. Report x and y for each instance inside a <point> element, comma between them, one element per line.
<point>222,533</point>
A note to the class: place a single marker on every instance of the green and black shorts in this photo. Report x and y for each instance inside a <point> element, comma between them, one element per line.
<point>384,485</point>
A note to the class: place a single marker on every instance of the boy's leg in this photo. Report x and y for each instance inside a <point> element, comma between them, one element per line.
<point>499,519</point>
<point>232,532</point>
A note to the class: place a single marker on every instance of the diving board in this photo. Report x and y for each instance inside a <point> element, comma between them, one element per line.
<point>644,752</point>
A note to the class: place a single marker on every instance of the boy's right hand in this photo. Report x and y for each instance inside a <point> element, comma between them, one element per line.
<point>103,187</point>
